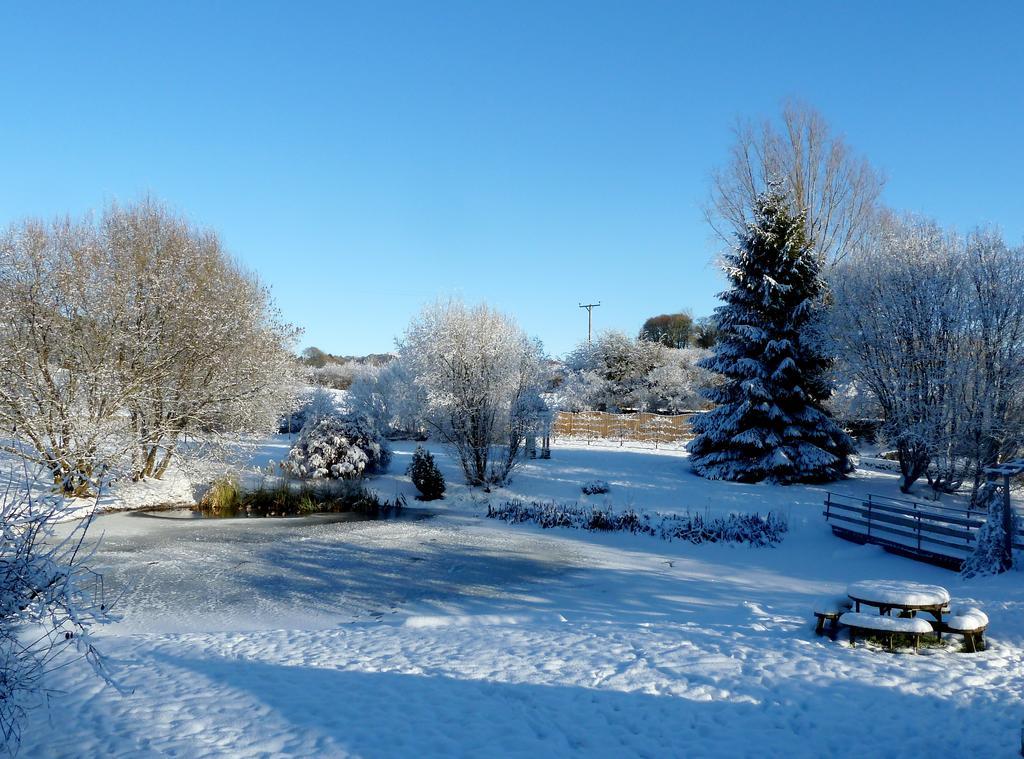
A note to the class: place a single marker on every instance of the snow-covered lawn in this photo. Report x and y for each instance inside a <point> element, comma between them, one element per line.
<point>460,636</point>
<point>646,479</point>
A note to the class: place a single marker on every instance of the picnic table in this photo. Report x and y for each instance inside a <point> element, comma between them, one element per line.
<point>907,597</point>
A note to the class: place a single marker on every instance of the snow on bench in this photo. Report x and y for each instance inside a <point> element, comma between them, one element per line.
<point>898,593</point>
<point>964,618</point>
<point>888,626</point>
<point>830,608</point>
<point>882,623</point>
<point>970,622</point>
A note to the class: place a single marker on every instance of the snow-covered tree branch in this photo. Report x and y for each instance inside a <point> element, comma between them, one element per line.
<point>48,602</point>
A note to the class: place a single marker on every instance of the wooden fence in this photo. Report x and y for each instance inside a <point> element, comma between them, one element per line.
<point>656,429</point>
<point>936,533</point>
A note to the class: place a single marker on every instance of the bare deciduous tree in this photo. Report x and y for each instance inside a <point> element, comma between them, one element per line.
<point>117,338</point>
<point>59,388</point>
<point>480,373</point>
<point>211,353</point>
<point>932,325</point>
<point>822,175</point>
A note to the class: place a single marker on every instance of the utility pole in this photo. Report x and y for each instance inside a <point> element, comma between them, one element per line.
<point>590,317</point>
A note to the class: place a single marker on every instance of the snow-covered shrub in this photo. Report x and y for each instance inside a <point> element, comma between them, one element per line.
<point>990,555</point>
<point>617,373</point>
<point>46,605</point>
<point>750,529</point>
<point>595,487</point>
<point>611,373</point>
<point>338,376</point>
<point>338,447</point>
<point>677,381</point>
<point>425,475</point>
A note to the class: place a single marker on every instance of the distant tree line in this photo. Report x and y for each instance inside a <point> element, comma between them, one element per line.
<point>679,330</point>
<point>339,372</point>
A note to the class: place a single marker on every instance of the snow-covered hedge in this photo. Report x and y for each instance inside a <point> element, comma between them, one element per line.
<point>595,487</point>
<point>753,529</point>
<point>337,447</point>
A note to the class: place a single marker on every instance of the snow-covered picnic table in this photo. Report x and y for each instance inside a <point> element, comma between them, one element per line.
<point>910,597</point>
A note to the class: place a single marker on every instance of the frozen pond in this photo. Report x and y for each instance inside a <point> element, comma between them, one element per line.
<point>173,571</point>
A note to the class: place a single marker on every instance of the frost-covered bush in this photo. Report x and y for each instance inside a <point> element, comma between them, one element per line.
<point>46,605</point>
<point>596,487</point>
<point>425,475</point>
<point>617,373</point>
<point>312,406</point>
<point>676,383</point>
<point>392,399</point>
<point>750,529</point>
<point>480,373</point>
<point>338,447</point>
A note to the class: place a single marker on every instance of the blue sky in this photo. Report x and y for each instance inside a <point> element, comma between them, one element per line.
<point>366,158</point>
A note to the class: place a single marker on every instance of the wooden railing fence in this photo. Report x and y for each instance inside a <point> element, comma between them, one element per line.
<point>943,534</point>
<point>655,429</point>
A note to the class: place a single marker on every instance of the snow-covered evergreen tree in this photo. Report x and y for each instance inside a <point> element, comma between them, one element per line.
<point>769,421</point>
<point>991,555</point>
<point>425,475</point>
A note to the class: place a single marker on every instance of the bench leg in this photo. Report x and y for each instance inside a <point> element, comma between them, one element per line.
<point>969,640</point>
<point>820,627</point>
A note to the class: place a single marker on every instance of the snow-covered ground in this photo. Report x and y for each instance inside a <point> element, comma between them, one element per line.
<point>653,480</point>
<point>456,635</point>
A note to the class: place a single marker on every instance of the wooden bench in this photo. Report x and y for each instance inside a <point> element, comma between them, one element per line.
<point>969,622</point>
<point>830,610</point>
<point>890,627</point>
